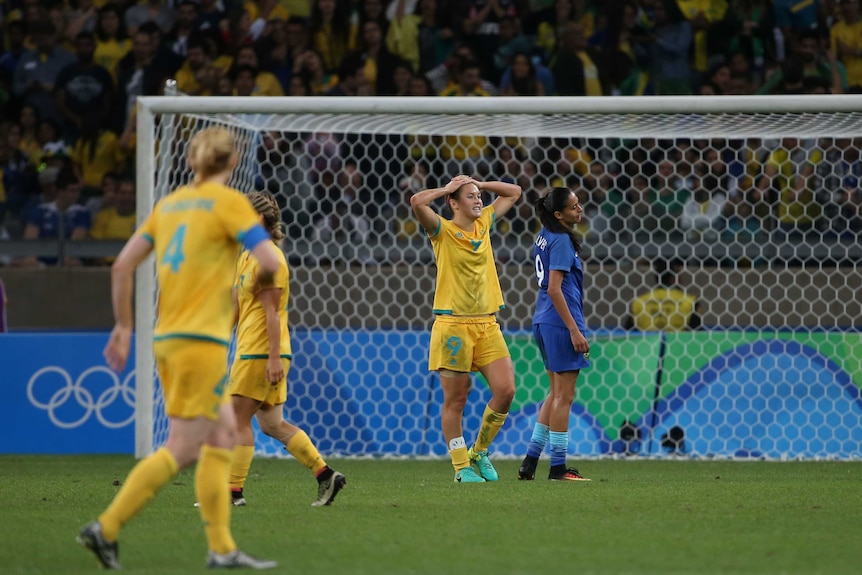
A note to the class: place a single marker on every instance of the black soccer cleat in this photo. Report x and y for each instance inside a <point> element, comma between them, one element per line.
<point>328,488</point>
<point>527,471</point>
<point>91,537</point>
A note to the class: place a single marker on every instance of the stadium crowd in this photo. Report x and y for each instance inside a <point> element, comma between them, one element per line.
<point>71,70</point>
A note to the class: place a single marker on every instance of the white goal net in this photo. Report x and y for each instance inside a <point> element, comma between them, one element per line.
<point>754,206</point>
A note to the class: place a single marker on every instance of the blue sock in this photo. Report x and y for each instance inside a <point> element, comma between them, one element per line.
<point>538,440</point>
<point>559,447</point>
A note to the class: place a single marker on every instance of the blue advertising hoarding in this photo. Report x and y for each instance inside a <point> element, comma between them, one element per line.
<point>59,396</point>
<point>368,392</point>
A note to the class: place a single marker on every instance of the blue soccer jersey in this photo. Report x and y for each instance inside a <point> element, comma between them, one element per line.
<point>554,251</point>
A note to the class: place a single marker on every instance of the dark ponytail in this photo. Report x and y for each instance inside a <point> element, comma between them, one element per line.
<point>547,205</point>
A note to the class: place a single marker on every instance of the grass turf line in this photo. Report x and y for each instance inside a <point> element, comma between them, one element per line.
<point>402,517</point>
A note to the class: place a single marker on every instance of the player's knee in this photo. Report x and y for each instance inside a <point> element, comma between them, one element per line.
<point>269,429</point>
<point>505,393</point>
<point>566,397</point>
<point>185,453</point>
<point>455,402</point>
<point>224,437</point>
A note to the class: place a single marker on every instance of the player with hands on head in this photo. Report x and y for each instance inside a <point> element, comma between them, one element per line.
<point>558,327</point>
<point>258,383</point>
<point>196,233</point>
<point>465,336</point>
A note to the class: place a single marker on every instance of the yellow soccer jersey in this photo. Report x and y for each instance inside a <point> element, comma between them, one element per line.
<point>196,233</point>
<point>467,282</point>
<point>252,341</point>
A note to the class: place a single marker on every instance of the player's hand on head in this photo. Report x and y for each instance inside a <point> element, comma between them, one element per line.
<point>458,181</point>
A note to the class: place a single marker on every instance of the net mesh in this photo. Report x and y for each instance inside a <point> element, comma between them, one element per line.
<point>758,216</point>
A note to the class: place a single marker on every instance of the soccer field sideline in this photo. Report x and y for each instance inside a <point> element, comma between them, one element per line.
<point>408,516</point>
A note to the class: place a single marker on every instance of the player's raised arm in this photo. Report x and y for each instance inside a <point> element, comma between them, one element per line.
<point>507,195</point>
<point>421,202</point>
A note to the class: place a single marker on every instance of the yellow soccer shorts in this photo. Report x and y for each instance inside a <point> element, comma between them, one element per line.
<point>248,379</point>
<point>193,374</point>
<point>465,344</point>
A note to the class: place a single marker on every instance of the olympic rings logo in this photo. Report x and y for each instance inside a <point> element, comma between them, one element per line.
<point>76,392</point>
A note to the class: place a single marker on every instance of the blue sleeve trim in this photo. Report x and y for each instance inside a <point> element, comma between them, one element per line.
<point>253,236</point>
<point>439,225</point>
<point>149,238</point>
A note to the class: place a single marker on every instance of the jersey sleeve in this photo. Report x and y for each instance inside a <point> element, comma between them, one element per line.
<point>562,254</point>
<point>279,280</point>
<point>489,216</point>
<point>148,228</point>
<point>281,276</point>
<point>435,235</point>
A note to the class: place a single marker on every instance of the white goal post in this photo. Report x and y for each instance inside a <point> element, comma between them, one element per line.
<point>752,199</point>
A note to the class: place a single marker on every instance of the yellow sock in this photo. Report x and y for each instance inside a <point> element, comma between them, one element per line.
<point>213,495</point>
<point>141,485</point>
<point>458,453</point>
<point>491,424</point>
<point>301,447</point>
<point>460,459</point>
<point>240,464</point>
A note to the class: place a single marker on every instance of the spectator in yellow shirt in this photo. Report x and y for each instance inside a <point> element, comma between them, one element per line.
<point>786,183</point>
<point>118,221</point>
<point>465,152</point>
<point>555,18</point>
<point>666,307</point>
<point>265,83</point>
<point>846,42</point>
<point>704,16</point>
<point>96,152</point>
<point>112,42</point>
<point>266,10</point>
<point>308,65</point>
<point>332,33</point>
<point>200,73</point>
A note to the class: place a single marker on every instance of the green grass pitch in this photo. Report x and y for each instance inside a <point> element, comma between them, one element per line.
<point>405,517</point>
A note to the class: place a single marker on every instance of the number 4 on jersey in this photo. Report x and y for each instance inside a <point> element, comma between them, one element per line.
<point>173,255</point>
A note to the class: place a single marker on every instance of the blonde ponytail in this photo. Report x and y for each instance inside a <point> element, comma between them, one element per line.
<point>210,152</point>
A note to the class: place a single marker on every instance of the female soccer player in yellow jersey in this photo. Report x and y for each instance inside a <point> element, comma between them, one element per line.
<point>466,336</point>
<point>258,377</point>
<point>196,233</point>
